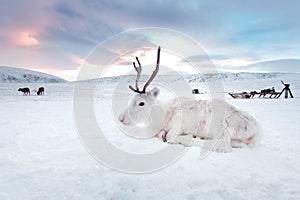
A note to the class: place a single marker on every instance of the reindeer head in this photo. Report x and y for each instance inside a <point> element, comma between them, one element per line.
<point>142,102</point>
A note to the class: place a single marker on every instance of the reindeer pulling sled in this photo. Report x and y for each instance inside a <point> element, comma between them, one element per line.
<point>266,93</point>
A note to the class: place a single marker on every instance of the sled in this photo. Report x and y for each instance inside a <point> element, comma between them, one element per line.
<point>265,93</point>
<point>242,95</point>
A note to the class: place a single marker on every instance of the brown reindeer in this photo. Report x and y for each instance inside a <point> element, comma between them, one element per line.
<point>41,91</point>
<point>26,91</point>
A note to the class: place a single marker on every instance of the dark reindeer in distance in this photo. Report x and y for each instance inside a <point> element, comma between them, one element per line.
<point>26,91</point>
<point>41,91</point>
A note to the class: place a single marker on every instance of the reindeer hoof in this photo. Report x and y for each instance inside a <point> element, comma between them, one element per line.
<point>164,137</point>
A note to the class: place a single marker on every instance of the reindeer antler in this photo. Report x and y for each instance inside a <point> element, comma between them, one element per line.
<point>154,73</point>
<point>139,71</point>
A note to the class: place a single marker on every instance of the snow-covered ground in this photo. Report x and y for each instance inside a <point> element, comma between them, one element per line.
<point>41,155</point>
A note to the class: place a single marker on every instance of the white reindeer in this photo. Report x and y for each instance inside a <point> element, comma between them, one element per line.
<point>189,122</point>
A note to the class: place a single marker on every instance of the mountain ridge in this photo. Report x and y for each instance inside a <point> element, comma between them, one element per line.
<point>20,75</point>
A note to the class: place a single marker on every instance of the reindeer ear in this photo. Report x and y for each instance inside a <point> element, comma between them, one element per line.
<point>153,93</point>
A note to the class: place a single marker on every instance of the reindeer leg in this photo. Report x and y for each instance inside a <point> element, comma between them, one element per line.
<point>238,144</point>
<point>162,135</point>
<point>185,140</point>
<point>174,132</point>
<point>223,144</point>
<point>220,144</point>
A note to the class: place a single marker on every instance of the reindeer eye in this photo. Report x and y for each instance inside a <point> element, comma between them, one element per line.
<point>141,104</point>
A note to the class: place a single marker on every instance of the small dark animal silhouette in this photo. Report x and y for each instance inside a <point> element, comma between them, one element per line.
<point>26,91</point>
<point>41,91</point>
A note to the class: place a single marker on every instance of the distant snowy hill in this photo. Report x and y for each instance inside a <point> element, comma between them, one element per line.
<point>230,76</point>
<point>18,75</point>
<point>283,65</point>
<point>194,78</point>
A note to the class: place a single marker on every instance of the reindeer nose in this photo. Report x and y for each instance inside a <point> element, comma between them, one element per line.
<point>121,118</point>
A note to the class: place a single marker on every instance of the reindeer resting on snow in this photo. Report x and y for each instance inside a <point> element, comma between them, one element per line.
<point>176,123</point>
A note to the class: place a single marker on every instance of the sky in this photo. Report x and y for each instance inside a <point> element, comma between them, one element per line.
<point>57,36</point>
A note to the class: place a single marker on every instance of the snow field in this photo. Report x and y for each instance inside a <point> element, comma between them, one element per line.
<point>41,156</point>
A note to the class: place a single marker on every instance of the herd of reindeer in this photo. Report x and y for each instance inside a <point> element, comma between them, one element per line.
<point>26,91</point>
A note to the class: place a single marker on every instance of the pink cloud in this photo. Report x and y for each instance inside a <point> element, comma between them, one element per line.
<point>25,39</point>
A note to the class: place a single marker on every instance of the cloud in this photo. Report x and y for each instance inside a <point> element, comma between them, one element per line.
<point>25,40</point>
<point>210,22</point>
<point>24,16</point>
<point>64,9</point>
<point>53,30</point>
